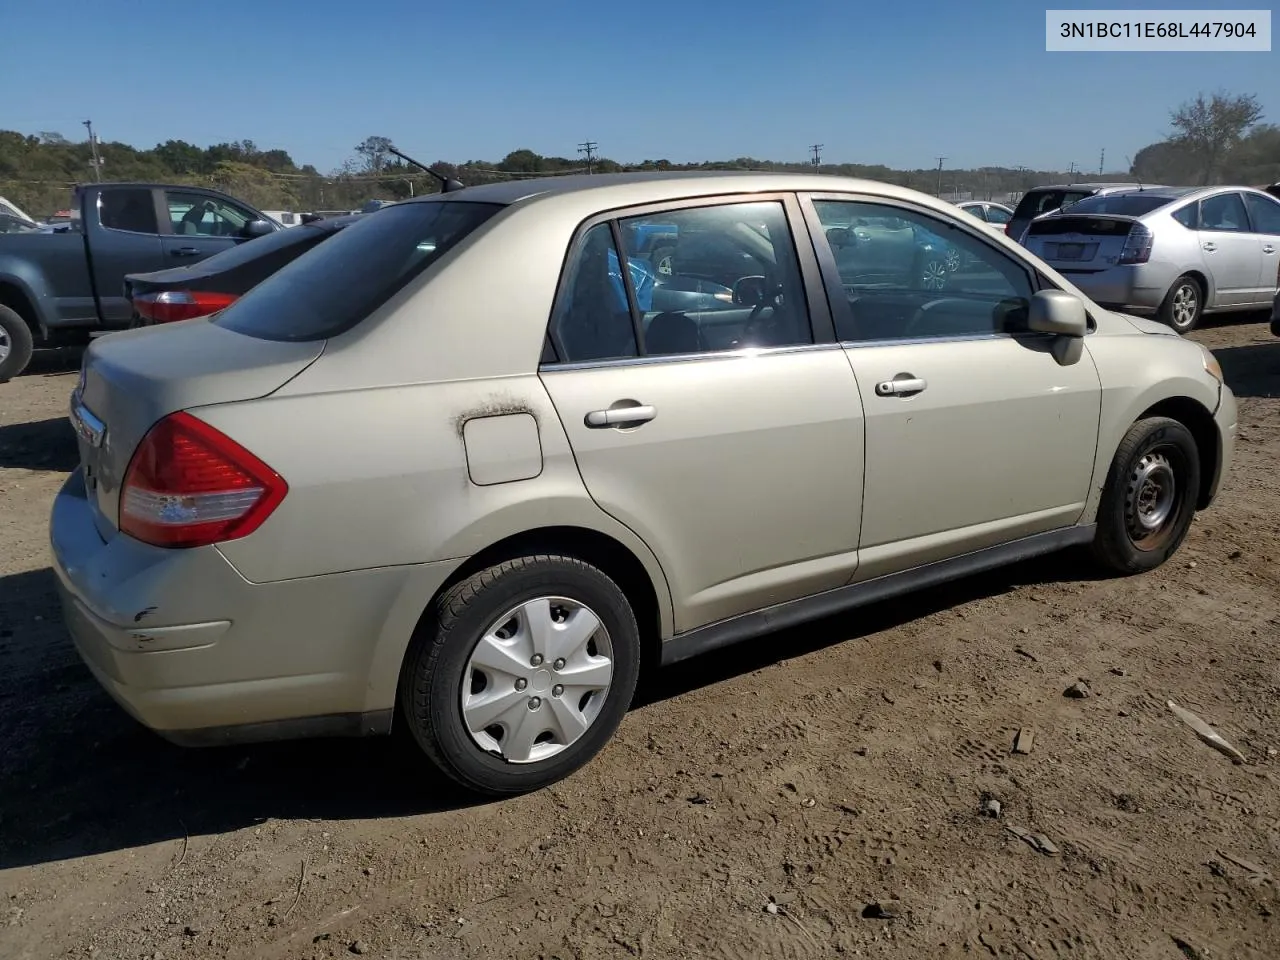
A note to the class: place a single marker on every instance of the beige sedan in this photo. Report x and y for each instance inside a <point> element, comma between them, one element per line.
<point>467,463</point>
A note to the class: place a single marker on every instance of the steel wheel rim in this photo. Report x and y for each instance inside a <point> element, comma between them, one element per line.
<point>1152,498</point>
<point>5,345</point>
<point>1185,302</point>
<point>953,260</point>
<point>537,679</point>
<point>935,275</point>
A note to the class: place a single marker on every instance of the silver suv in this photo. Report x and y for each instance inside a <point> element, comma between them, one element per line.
<point>464,465</point>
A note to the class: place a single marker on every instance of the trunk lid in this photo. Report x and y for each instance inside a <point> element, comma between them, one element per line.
<point>1079,243</point>
<point>129,380</point>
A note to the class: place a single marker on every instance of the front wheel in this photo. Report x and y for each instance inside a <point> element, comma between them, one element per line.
<point>1150,496</point>
<point>1183,305</point>
<point>522,674</point>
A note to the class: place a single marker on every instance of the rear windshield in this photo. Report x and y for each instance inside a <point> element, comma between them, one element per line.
<point>1045,201</point>
<point>333,287</point>
<point>1126,205</point>
<point>286,243</point>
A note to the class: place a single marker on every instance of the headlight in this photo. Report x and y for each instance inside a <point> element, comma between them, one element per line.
<point>1211,365</point>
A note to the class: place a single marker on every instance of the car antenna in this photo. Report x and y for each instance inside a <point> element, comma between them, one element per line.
<point>447,184</point>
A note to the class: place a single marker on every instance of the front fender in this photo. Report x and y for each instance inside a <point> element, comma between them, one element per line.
<point>1138,372</point>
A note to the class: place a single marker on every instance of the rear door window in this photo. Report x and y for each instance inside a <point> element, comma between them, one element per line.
<point>330,289</point>
<point>131,210</point>
<point>1224,213</point>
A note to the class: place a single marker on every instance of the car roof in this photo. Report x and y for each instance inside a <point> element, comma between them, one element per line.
<point>635,188</point>
<point>1085,186</point>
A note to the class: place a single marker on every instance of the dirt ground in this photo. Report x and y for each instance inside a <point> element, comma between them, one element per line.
<point>816,793</point>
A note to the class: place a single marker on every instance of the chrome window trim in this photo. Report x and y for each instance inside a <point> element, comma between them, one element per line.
<point>744,353</point>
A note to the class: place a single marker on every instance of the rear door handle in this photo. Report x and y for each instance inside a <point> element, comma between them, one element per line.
<point>900,386</point>
<point>620,416</point>
<point>1268,249</point>
<point>1209,246</point>
<point>185,252</point>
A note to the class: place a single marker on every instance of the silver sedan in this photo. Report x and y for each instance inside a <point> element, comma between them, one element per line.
<point>1176,252</point>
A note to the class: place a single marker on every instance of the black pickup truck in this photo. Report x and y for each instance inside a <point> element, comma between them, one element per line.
<point>57,288</point>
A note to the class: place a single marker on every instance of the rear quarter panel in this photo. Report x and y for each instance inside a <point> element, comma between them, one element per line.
<point>52,272</point>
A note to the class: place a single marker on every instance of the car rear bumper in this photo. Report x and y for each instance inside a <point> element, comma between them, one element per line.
<point>200,655</point>
<point>1136,289</point>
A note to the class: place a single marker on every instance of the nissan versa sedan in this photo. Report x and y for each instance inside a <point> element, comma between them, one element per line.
<point>1176,252</point>
<point>437,472</point>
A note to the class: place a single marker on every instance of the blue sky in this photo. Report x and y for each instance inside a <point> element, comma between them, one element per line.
<point>898,83</point>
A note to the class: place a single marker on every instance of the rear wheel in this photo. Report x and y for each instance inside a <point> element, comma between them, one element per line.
<point>1149,499</point>
<point>1183,305</point>
<point>16,344</point>
<point>522,674</point>
<point>661,258</point>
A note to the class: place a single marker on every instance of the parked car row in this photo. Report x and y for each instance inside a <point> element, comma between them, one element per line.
<point>59,287</point>
<point>461,463</point>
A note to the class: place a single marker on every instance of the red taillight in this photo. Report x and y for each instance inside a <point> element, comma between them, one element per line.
<point>1137,245</point>
<point>189,485</point>
<point>169,306</point>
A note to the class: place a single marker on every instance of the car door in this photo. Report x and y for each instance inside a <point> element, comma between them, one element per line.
<point>200,225</point>
<point>975,434</point>
<point>726,434</point>
<point>1232,251</point>
<point>1264,218</point>
<point>125,239</point>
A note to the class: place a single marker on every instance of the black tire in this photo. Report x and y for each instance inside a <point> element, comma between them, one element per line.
<point>1123,544</point>
<point>15,335</point>
<point>1174,311</point>
<point>657,255</point>
<point>436,666</point>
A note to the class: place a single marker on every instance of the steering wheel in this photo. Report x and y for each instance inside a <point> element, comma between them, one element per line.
<point>757,328</point>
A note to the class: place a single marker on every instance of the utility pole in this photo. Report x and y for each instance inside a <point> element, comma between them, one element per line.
<point>1102,158</point>
<point>96,162</point>
<point>816,150</point>
<point>588,148</point>
<point>939,193</point>
<point>1071,171</point>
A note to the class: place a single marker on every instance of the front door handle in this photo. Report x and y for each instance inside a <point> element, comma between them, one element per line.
<point>1268,249</point>
<point>185,252</point>
<point>1209,246</point>
<point>631,414</point>
<point>900,386</point>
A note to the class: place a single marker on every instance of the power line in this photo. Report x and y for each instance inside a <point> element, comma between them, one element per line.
<point>588,148</point>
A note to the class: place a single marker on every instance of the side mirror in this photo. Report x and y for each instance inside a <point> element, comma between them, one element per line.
<point>1057,312</point>
<point>257,228</point>
<point>749,292</point>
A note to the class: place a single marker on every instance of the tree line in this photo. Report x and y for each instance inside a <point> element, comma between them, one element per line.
<point>1215,138</point>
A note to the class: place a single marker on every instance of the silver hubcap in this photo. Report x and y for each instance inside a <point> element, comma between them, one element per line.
<point>5,345</point>
<point>1185,301</point>
<point>1152,495</point>
<point>935,275</point>
<point>953,260</point>
<point>537,679</point>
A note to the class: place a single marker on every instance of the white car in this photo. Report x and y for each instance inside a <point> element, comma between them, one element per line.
<point>994,215</point>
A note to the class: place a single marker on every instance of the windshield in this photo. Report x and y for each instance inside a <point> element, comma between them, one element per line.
<point>1124,204</point>
<point>330,289</point>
